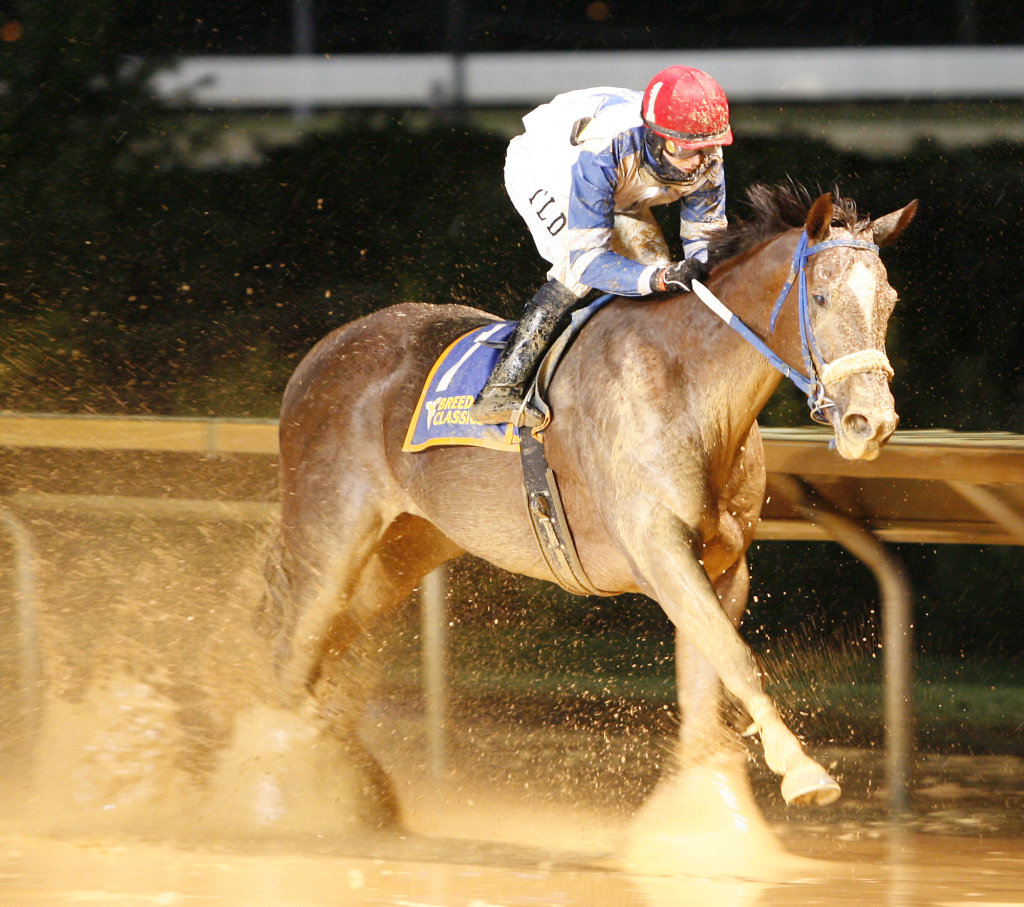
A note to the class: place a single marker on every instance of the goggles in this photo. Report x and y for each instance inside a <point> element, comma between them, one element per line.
<point>675,149</point>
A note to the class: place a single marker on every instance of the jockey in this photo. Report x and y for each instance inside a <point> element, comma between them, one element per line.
<point>584,176</point>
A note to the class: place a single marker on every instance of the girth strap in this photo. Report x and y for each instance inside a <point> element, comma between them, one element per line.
<point>548,519</point>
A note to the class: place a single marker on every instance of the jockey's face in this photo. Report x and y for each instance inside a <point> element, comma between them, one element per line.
<point>670,162</point>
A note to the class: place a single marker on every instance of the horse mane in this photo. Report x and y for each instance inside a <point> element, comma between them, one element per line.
<point>776,209</point>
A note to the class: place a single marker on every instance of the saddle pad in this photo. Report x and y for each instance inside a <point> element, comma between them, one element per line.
<point>441,416</point>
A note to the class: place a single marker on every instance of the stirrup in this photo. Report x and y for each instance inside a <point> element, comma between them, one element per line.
<point>504,403</point>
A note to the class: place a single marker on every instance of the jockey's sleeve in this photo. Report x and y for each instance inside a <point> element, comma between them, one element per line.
<point>702,212</point>
<point>591,221</point>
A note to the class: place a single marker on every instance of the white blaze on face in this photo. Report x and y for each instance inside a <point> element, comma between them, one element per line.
<point>862,285</point>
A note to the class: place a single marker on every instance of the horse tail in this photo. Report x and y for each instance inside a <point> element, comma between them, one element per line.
<point>270,613</point>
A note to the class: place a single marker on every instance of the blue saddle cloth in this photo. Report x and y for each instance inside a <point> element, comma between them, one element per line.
<point>441,417</point>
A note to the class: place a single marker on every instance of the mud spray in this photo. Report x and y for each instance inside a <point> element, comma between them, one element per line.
<point>157,724</point>
<point>158,733</point>
<point>157,717</point>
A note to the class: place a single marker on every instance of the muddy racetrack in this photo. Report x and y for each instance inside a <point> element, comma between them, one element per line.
<point>148,658</point>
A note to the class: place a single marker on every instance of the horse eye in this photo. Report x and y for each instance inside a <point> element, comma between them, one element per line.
<point>821,299</point>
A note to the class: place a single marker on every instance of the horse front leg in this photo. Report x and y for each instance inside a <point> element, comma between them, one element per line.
<point>702,731</point>
<point>703,810</point>
<point>673,575</point>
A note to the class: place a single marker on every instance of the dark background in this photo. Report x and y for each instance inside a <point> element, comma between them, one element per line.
<point>136,279</point>
<point>196,27</point>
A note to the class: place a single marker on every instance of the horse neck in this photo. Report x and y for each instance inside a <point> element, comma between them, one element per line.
<point>749,287</point>
<point>675,346</point>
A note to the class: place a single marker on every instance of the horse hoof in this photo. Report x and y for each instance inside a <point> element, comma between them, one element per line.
<point>806,783</point>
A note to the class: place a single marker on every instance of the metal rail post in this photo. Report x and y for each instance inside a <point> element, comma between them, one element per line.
<point>897,627</point>
<point>434,632</point>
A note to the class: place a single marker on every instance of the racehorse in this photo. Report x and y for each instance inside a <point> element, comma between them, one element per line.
<point>653,440</point>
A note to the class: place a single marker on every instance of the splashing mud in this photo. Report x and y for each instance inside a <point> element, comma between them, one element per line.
<point>705,815</point>
<point>283,773</point>
<point>163,773</point>
<point>109,761</point>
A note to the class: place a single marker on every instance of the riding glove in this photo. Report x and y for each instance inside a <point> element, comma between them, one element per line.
<point>677,276</point>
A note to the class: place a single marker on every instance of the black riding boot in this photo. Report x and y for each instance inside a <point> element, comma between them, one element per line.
<point>502,396</point>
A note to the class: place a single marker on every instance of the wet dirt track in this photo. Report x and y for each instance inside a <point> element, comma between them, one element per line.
<point>528,813</point>
<point>907,871</point>
<point>496,832</point>
<point>890,869</point>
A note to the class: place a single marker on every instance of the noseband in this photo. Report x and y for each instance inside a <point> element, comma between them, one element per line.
<point>817,382</point>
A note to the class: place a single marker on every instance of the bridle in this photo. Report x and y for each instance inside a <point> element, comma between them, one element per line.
<point>816,383</point>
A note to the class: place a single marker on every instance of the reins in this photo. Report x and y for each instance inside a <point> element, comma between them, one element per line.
<point>815,384</point>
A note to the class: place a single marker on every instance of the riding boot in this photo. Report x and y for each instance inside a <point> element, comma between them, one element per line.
<point>502,396</point>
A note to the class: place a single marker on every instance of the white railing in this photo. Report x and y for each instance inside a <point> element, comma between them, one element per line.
<point>525,79</point>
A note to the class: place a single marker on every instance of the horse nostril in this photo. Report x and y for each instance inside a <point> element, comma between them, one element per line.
<point>857,426</point>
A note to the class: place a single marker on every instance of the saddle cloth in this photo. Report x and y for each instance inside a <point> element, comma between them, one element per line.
<point>441,417</point>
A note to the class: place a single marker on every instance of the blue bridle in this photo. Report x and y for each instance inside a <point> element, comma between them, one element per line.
<point>817,399</point>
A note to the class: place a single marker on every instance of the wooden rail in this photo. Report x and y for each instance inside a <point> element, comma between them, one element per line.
<point>927,486</point>
<point>182,435</point>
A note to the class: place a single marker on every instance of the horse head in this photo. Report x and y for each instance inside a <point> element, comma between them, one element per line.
<point>848,304</point>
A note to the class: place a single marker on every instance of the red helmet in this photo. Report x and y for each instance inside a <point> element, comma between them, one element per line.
<point>688,106</point>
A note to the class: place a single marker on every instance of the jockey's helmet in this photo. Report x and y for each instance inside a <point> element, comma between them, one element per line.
<point>685,110</point>
<point>687,106</point>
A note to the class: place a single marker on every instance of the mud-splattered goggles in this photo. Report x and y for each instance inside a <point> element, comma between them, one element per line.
<point>675,149</point>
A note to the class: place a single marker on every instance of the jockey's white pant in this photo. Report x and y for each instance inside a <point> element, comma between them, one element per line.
<point>541,200</point>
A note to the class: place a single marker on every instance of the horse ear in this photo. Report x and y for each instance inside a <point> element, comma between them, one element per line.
<point>886,229</point>
<point>819,218</point>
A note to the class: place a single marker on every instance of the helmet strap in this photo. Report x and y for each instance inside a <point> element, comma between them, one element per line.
<point>654,163</point>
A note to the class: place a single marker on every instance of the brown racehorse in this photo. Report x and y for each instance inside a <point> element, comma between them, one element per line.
<point>654,443</point>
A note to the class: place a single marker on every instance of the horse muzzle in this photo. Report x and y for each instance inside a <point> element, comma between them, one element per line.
<point>863,416</point>
<point>860,437</point>
<point>867,421</point>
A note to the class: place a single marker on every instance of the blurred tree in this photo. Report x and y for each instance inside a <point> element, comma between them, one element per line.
<point>68,106</point>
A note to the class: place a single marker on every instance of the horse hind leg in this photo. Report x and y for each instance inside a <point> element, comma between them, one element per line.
<point>303,766</point>
<point>312,570</point>
<point>284,769</point>
<point>348,671</point>
<point>409,549</point>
